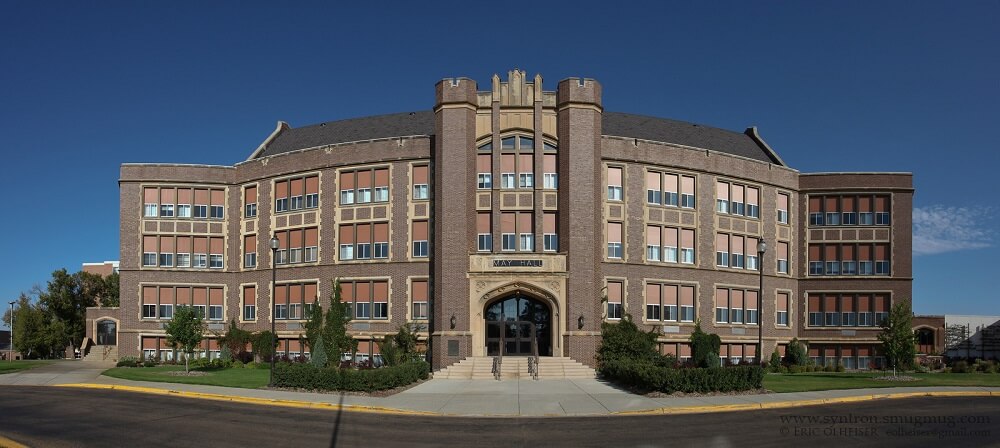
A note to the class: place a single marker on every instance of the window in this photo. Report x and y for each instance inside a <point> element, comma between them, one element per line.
<point>783,201</point>
<point>150,211</point>
<point>250,251</point>
<point>614,296</point>
<point>292,299</point>
<point>215,261</point>
<point>184,210</point>
<point>736,257</point>
<point>881,219</point>
<point>670,189</point>
<point>722,306</point>
<point>363,241</point>
<point>687,192</point>
<point>167,210</point>
<point>615,240</point>
<point>166,260</point>
<point>737,199</point>
<point>654,194</point>
<point>507,180</point>
<point>527,242</point>
<point>782,257</point>
<point>526,180</point>
<point>485,181</point>
<point>781,317</point>
<point>148,311</point>
<point>149,259</point>
<point>653,243</point>
<point>183,260</point>
<point>550,240</point>
<point>687,246</point>
<point>249,303</point>
<point>661,302</point>
<point>722,250</point>
<point>420,246</point>
<point>484,229</point>
<point>722,197</point>
<point>368,299</point>
<point>418,297</point>
<point>200,260</point>
<point>687,303</point>
<point>420,192</point>
<point>550,180</point>
<point>200,211</point>
<point>484,169</point>
<point>166,311</point>
<point>356,186</point>
<point>509,241</point>
<point>614,183</point>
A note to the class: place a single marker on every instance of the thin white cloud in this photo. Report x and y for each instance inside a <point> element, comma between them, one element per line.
<point>938,229</point>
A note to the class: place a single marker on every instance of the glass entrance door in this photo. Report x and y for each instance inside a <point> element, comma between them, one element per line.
<point>513,322</point>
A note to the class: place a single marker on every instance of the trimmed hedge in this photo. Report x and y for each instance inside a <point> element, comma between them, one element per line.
<point>647,376</point>
<point>308,376</point>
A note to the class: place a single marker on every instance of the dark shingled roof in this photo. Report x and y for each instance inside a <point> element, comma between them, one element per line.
<point>613,124</point>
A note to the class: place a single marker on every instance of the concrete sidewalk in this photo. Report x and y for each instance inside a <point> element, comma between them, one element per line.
<point>508,398</point>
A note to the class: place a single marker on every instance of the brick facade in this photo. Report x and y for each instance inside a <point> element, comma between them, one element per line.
<point>569,123</point>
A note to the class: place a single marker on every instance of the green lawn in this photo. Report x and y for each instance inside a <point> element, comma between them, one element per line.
<point>802,382</point>
<point>244,378</point>
<point>14,366</point>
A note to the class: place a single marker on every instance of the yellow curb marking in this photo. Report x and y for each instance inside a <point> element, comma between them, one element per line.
<point>8,443</point>
<point>799,403</point>
<point>250,400</point>
<point>658,411</point>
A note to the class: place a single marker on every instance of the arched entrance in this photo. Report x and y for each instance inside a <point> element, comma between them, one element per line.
<point>107,332</point>
<point>514,322</point>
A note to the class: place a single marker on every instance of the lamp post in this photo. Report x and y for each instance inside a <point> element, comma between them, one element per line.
<point>274,305</point>
<point>761,248</point>
<point>11,351</point>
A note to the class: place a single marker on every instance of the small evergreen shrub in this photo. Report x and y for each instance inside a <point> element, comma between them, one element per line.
<point>795,353</point>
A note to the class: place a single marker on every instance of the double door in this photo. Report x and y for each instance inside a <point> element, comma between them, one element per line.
<point>510,338</point>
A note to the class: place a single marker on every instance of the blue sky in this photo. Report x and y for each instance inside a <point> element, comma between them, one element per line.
<point>833,86</point>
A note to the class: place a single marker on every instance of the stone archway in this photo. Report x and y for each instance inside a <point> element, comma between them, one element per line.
<point>544,300</point>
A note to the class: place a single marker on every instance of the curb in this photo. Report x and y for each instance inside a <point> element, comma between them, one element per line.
<point>799,403</point>
<point>249,400</point>
<point>657,411</point>
<point>8,443</point>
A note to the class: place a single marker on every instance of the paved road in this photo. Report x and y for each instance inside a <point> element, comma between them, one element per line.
<point>66,417</point>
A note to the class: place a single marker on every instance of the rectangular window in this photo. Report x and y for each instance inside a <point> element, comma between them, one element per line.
<point>183,260</point>
<point>670,189</point>
<point>781,317</point>
<point>782,257</point>
<point>507,180</point>
<point>653,243</point>
<point>364,195</point>
<point>346,197</point>
<point>485,242</point>
<point>815,313</point>
<point>614,183</point>
<point>550,240</point>
<point>183,210</point>
<point>687,303</point>
<point>381,194</point>
<point>217,212</point>
<point>614,300</point>
<point>736,306</point>
<point>551,181</point>
<point>753,198</point>
<point>687,192</point>
<point>736,245</point>
<point>421,191</point>
<point>751,251</point>
<point>418,296</point>
<point>249,303</point>
<point>722,306</point>
<point>783,201</point>
<point>420,239</point>
<point>738,207</point>
<point>484,229</point>
<point>526,180</point>
<point>687,246</point>
<point>615,240</point>
<point>722,197</point>
<point>151,211</point>
<point>149,259</point>
<point>166,311</point>
<point>653,192</point>
<point>509,241</point>
<point>215,261</point>
<point>167,210</point>
<point>485,181</point>
<point>166,260</point>
<point>722,250</point>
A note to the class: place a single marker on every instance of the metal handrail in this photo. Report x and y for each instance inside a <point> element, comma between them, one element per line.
<point>533,360</point>
<point>497,363</point>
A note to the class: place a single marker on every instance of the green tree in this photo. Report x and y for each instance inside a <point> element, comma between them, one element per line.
<point>264,344</point>
<point>236,340</point>
<point>32,335</point>
<point>775,363</point>
<point>102,289</point>
<point>400,347</point>
<point>897,337</point>
<point>318,352</point>
<point>314,327</point>
<point>65,301</point>
<point>624,341</point>
<point>704,346</point>
<point>185,331</point>
<point>336,339</point>
<point>795,353</point>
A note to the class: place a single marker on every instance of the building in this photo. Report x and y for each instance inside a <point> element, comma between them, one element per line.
<point>103,269</point>
<point>525,206</point>
<point>969,336</point>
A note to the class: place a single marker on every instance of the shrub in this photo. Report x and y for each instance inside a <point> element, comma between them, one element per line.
<point>308,376</point>
<point>795,368</point>
<point>225,354</point>
<point>127,361</point>
<point>646,376</point>
<point>702,345</point>
<point>149,363</point>
<point>795,353</point>
<point>829,368</point>
<point>840,368</point>
<point>960,367</point>
<point>782,369</point>
<point>775,362</point>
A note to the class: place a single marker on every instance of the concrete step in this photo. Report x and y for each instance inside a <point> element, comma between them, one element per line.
<point>516,367</point>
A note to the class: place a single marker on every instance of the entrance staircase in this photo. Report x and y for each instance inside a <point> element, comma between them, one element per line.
<point>515,367</point>
<point>102,354</point>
